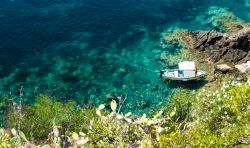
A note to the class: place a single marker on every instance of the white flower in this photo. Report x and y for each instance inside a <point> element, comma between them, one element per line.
<point>225,113</point>
<point>248,82</point>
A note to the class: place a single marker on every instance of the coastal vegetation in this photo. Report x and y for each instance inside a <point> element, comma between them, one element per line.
<point>211,116</point>
<point>215,115</point>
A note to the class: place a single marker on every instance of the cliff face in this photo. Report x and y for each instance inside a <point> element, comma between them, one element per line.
<point>224,47</point>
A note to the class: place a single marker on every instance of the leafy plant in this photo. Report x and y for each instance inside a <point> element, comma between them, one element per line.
<point>38,119</point>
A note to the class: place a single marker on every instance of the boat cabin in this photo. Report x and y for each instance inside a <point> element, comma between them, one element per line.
<point>186,71</point>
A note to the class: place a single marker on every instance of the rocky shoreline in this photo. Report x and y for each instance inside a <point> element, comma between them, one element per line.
<point>225,51</point>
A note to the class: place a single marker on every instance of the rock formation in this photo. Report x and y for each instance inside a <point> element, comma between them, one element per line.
<point>231,48</point>
<point>224,51</point>
<point>223,47</point>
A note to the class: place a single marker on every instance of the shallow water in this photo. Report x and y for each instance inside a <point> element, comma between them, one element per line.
<point>91,50</point>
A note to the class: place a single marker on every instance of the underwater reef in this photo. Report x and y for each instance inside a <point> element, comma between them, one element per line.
<point>209,117</point>
<point>136,108</point>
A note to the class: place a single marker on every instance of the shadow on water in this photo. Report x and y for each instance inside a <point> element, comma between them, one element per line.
<point>194,84</point>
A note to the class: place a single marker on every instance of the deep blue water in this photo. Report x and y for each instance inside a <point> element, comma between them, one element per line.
<point>89,50</point>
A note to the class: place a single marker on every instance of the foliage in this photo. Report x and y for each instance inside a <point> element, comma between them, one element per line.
<point>37,120</point>
<point>218,118</point>
<point>4,103</point>
<point>204,118</point>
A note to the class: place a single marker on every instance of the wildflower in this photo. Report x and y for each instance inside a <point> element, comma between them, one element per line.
<point>225,113</point>
<point>222,134</point>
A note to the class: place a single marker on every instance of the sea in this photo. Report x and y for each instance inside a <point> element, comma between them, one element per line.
<point>94,51</point>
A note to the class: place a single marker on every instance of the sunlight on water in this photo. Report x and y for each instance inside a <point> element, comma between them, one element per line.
<point>94,51</point>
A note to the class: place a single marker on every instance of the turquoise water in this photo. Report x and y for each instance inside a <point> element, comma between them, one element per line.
<point>91,50</point>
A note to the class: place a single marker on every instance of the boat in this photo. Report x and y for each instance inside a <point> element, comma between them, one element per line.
<point>186,72</point>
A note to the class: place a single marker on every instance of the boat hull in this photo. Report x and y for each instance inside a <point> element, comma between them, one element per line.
<point>167,75</point>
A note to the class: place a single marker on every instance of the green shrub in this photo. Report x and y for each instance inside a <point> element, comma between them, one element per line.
<point>217,118</point>
<point>205,118</point>
<point>37,120</point>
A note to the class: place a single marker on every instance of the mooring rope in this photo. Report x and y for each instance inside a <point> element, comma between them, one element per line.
<point>143,68</point>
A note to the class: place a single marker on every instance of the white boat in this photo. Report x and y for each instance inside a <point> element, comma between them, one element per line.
<point>186,72</point>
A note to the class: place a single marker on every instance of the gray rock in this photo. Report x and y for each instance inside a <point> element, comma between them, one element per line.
<point>223,67</point>
<point>223,47</point>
